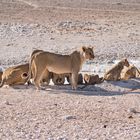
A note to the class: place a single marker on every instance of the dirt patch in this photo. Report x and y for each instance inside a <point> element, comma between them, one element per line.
<point>102,111</point>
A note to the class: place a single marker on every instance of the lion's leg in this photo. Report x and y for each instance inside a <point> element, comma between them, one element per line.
<point>117,77</point>
<point>37,81</point>
<point>74,80</point>
<point>46,77</point>
<point>33,71</point>
<point>109,77</point>
<point>38,76</point>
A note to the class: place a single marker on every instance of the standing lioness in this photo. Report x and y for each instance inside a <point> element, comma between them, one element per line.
<point>59,64</point>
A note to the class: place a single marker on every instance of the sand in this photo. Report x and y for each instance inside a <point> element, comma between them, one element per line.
<point>103,111</point>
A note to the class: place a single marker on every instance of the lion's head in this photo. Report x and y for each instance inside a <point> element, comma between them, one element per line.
<point>125,62</point>
<point>88,52</point>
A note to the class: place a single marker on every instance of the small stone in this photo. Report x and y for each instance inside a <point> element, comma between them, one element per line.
<point>9,44</point>
<point>52,38</point>
<point>131,110</point>
<point>69,117</point>
<point>105,126</point>
<point>130,117</point>
<point>7,103</point>
<point>99,101</point>
<point>119,3</point>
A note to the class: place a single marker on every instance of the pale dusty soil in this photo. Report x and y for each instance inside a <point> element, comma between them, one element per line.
<point>101,112</point>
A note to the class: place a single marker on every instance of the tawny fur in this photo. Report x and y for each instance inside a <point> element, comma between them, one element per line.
<point>15,75</point>
<point>92,79</point>
<point>58,79</point>
<point>114,73</point>
<point>46,75</point>
<point>59,64</point>
<point>80,78</point>
<point>130,72</point>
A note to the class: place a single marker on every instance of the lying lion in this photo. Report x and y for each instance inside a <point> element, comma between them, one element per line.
<point>114,73</point>
<point>92,79</point>
<point>59,64</point>
<point>130,72</point>
<point>80,78</point>
<point>15,75</point>
<point>58,79</point>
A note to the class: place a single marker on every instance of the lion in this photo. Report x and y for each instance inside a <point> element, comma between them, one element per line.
<point>15,75</point>
<point>59,64</point>
<point>114,73</point>
<point>58,79</point>
<point>130,72</point>
<point>92,79</point>
<point>80,78</point>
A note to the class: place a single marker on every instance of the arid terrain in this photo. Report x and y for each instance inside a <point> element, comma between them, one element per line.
<point>106,111</point>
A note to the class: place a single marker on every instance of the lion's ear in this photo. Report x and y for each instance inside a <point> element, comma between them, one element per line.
<point>24,75</point>
<point>83,48</point>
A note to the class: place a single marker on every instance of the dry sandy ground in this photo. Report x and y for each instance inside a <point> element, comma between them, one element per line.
<point>105,111</point>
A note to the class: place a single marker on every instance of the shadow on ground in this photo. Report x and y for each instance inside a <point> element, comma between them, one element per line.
<point>94,91</point>
<point>130,84</point>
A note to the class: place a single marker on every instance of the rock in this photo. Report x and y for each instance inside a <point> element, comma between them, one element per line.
<point>119,3</point>
<point>105,126</point>
<point>61,138</point>
<point>7,103</point>
<point>131,110</point>
<point>130,117</point>
<point>69,117</point>
<point>52,38</point>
